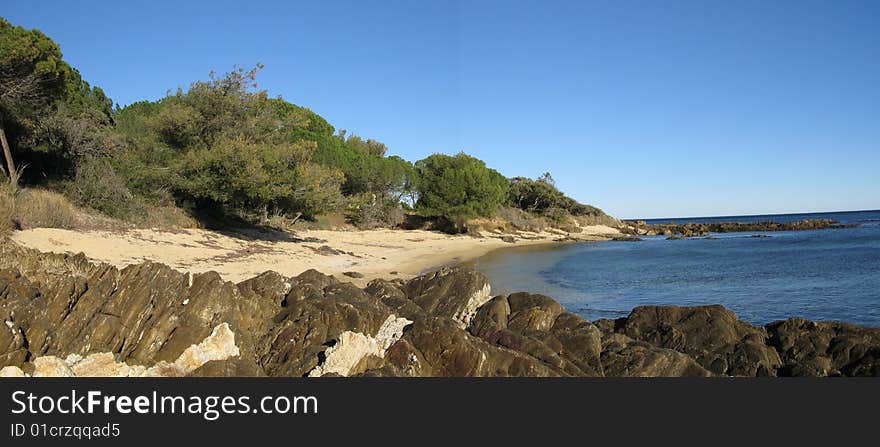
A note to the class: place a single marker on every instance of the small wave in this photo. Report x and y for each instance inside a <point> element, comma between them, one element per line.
<point>601,313</point>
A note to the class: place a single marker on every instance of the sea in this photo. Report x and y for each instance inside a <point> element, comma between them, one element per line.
<point>822,275</point>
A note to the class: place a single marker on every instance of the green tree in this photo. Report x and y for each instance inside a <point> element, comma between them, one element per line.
<point>241,175</point>
<point>46,108</point>
<point>458,187</point>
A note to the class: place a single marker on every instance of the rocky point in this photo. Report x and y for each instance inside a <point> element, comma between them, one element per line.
<point>66,316</point>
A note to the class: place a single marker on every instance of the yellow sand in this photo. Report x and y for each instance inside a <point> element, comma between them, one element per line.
<point>240,255</point>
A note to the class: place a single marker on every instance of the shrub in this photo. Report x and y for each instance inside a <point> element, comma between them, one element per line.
<point>534,196</point>
<point>377,214</point>
<point>458,188</point>
<point>241,175</point>
<point>96,185</point>
<point>541,196</point>
<point>520,220</point>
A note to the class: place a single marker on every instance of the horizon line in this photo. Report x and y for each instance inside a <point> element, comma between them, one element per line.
<point>751,215</point>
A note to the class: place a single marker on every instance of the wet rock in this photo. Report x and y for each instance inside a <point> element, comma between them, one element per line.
<point>626,238</point>
<point>712,335</point>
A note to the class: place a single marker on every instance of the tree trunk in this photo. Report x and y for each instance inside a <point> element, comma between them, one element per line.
<point>7,153</point>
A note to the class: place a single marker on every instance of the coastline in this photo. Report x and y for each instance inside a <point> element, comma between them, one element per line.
<point>242,254</point>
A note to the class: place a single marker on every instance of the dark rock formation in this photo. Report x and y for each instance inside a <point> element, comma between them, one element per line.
<point>825,348</point>
<point>625,357</point>
<point>441,324</point>
<point>693,229</point>
<point>539,326</point>
<point>711,335</point>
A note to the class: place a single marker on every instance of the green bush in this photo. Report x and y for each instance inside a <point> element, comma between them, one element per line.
<point>457,188</point>
<point>96,185</point>
<point>240,175</point>
<point>541,196</point>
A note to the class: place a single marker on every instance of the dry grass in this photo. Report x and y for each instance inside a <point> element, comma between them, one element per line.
<point>7,211</point>
<point>166,217</point>
<point>36,208</point>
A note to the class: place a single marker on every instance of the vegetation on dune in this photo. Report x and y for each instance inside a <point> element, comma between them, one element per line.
<point>458,188</point>
<point>222,148</point>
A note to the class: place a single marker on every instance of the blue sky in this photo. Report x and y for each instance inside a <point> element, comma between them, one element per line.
<point>643,108</point>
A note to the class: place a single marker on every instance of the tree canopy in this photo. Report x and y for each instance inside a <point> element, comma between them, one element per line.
<point>49,116</point>
<point>458,187</point>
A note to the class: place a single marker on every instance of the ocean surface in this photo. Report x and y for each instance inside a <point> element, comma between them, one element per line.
<point>829,274</point>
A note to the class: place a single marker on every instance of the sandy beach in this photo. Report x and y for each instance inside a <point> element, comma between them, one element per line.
<point>238,255</point>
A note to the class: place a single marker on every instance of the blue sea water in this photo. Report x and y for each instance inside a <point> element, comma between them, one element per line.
<point>831,274</point>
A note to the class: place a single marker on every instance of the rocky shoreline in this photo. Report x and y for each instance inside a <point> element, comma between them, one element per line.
<point>694,229</point>
<point>66,316</point>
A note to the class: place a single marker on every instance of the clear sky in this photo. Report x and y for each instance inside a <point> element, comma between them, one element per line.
<point>643,108</point>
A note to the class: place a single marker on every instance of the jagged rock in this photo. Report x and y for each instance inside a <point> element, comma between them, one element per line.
<point>348,355</point>
<point>261,298</point>
<point>625,357</point>
<point>12,371</point>
<point>454,293</point>
<point>315,278</point>
<point>438,347</point>
<point>392,296</point>
<point>219,346</point>
<point>712,335</point>
<point>102,364</point>
<point>234,367</point>
<point>539,326</point>
<point>825,348</point>
<point>51,366</point>
<point>692,229</point>
<point>65,316</point>
<point>307,327</point>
